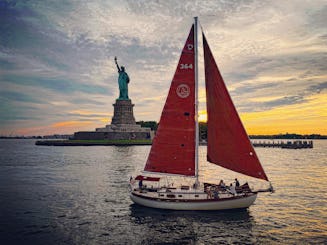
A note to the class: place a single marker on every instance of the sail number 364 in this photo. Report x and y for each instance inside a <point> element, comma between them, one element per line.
<point>186,66</point>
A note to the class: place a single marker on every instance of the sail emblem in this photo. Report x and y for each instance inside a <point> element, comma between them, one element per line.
<point>183,91</point>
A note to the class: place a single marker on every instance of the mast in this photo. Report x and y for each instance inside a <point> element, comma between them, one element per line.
<point>196,101</point>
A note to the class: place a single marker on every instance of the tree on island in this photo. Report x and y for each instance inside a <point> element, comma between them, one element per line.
<point>148,124</point>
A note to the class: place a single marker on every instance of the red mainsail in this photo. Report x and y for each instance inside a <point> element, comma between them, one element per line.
<point>173,147</point>
<point>228,142</point>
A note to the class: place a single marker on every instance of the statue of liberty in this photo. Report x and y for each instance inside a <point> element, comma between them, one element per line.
<point>123,81</point>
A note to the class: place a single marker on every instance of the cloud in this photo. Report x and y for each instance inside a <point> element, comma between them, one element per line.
<point>61,85</point>
<point>318,88</point>
<point>57,56</point>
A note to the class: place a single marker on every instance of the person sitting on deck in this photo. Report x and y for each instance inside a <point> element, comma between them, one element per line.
<point>208,191</point>
<point>238,187</point>
<point>237,184</point>
<point>222,185</point>
<point>141,184</point>
<point>215,193</point>
<point>232,189</point>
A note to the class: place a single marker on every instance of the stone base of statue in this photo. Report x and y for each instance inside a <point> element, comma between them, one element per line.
<point>122,127</point>
<point>123,112</point>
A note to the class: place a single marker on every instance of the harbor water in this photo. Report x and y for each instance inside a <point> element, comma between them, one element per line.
<point>79,195</point>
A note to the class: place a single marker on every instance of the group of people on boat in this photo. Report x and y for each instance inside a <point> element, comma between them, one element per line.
<point>213,191</point>
<point>223,186</point>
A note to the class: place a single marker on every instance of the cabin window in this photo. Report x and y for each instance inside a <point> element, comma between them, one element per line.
<point>180,195</point>
<point>170,196</point>
<point>162,195</point>
<point>196,195</point>
<point>186,113</point>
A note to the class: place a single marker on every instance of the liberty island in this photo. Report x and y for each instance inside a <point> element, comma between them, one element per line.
<point>123,128</point>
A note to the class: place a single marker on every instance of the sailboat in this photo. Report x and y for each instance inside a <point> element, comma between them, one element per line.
<point>174,150</point>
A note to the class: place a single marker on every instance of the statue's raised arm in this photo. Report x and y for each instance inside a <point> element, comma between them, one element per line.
<point>117,64</point>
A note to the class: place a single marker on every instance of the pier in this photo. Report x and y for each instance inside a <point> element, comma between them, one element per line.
<point>297,144</point>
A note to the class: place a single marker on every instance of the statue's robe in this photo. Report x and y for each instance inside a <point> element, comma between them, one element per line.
<point>123,81</point>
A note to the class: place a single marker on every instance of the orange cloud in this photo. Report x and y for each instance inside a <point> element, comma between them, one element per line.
<point>69,124</point>
<point>69,127</point>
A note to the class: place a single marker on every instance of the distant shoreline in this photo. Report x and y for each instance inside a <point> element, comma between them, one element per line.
<point>275,136</point>
<point>290,136</point>
<point>92,142</point>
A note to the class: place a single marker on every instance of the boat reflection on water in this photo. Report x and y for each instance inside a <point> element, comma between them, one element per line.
<point>186,227</point>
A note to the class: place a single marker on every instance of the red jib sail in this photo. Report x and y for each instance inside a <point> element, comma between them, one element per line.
<point>228,142</point>
<point>173,147</point>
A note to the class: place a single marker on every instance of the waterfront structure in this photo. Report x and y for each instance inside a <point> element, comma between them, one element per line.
<point>297,144</point>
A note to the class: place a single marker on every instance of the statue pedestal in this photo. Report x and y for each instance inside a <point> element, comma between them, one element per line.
<point>123,126</point>
<point>123,112</point>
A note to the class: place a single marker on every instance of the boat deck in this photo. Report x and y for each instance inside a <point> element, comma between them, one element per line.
<point>183,194</point>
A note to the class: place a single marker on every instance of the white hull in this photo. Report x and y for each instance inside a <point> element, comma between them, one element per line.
<point>219,204</point>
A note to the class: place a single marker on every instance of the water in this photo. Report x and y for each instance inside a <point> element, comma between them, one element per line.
<point>78,195</point>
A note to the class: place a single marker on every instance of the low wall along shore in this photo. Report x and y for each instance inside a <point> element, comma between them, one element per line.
<point>92,142</point>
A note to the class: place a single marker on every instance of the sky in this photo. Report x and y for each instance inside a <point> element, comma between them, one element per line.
<point>58,76</point>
